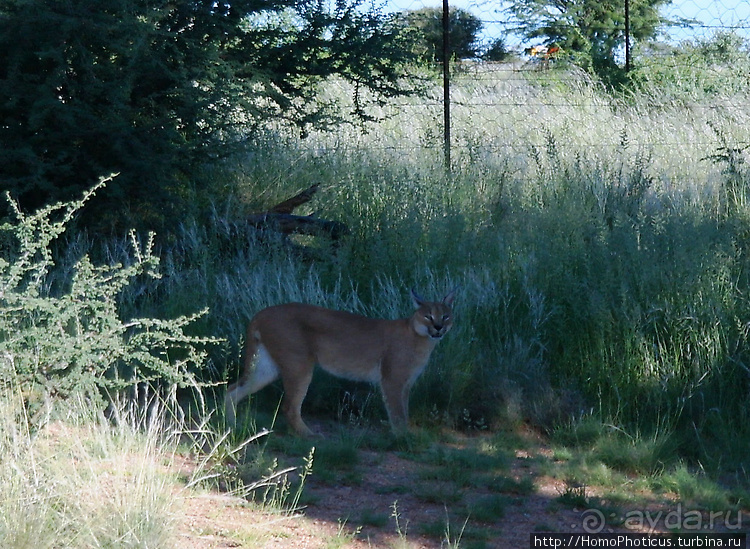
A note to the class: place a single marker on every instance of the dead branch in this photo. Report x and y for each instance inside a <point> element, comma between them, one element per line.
<point>280,218</point>
<point>289,205</point>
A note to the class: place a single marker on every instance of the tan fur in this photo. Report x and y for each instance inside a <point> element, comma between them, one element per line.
<point>289,340</point>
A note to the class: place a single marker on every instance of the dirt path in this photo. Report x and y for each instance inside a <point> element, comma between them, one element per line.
<point>392,500</point>
<point>381,507</point>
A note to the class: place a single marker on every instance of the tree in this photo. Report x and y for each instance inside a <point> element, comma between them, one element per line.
<point>497,50</point>
<point>427,27</point>
<point>592,30</point>
<point>153,89</point>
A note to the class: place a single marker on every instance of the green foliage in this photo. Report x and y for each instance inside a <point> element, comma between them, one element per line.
<point>489,509</point>
<point>496,51</point>
<point>574,496</point>
<point>63,335</point>
<point>427,26</point>
<point>156,91</point>
<point>369,517</point>
<point>692,71</point>
<point>591,277</point>
<point>600,278</point>
<point>509,485</point>
<point>77,479</point>
<point>694,487</point>
<point>79,482</point>
<point>589,30</point>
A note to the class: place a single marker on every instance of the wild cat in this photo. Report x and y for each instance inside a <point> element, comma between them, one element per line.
<point>289,340</point>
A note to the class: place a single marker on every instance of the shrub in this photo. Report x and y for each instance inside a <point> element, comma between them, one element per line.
<point>62,333</point>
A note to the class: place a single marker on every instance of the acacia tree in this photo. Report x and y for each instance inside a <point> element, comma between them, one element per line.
<point>592,30</point>
<point>426,25</point>
<point>154,88</point>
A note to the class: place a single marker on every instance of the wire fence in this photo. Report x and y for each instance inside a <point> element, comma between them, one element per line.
<point>518,106</point>
<point>682,19</point>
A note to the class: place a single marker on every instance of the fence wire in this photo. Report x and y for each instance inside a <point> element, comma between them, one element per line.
<point>534,90</point>
<point>682,19</point>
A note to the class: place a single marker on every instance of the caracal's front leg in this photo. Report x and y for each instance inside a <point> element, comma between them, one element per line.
<point>396,398</point>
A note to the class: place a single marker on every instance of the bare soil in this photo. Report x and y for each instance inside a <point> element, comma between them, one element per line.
<point>359,509</point>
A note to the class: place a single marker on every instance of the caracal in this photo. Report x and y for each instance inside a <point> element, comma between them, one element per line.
<point>289,340</point>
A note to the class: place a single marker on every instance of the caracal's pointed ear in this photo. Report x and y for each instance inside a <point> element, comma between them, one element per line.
<point>448,299</point>
<point>418,301</point>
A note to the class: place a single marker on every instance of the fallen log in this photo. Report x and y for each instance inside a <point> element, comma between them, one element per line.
<point>280,219</point>
<point>289,205</point>
<point>298,224</point>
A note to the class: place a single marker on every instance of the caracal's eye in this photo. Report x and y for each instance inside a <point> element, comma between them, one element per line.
<point>428,318</point>
<point>446,318</point>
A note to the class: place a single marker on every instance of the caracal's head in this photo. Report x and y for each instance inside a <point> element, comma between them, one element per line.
<point>432,319</point>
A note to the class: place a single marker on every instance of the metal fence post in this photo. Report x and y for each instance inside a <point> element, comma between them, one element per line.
<point>446,88</point>
<point>627,35</point>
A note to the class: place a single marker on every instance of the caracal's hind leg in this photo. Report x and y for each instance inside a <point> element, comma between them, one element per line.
<point>296,382</point>
<point>255,376</point>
